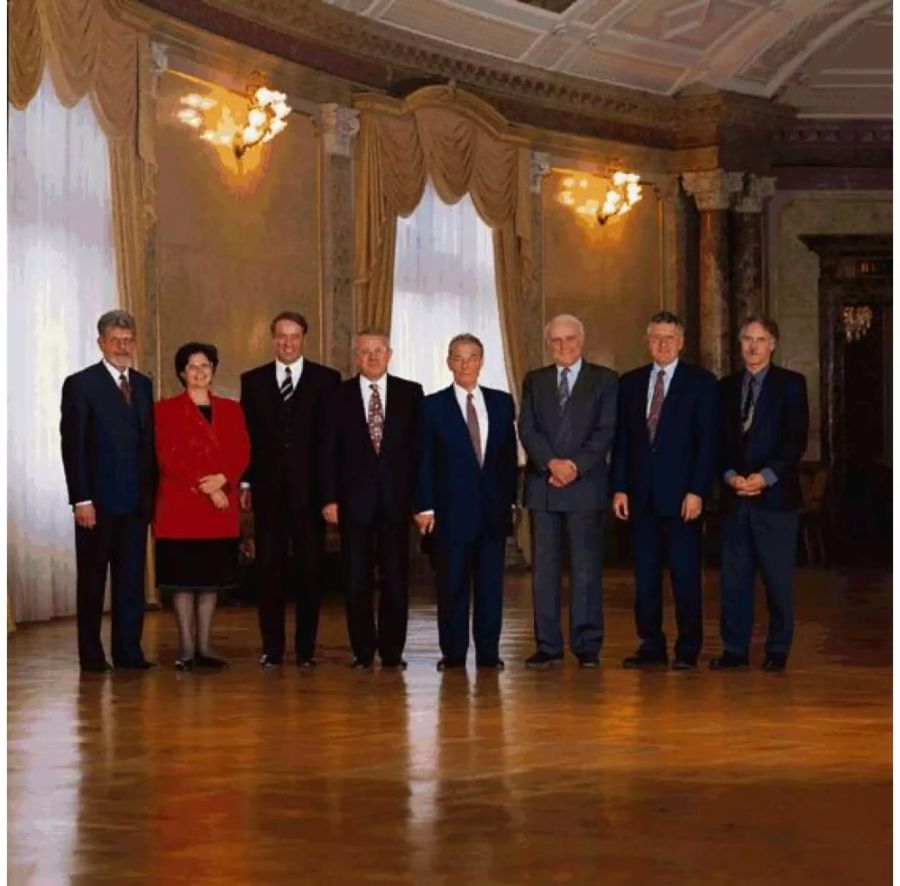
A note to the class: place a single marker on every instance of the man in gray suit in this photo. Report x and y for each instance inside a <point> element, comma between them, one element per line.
<point>566,425</point>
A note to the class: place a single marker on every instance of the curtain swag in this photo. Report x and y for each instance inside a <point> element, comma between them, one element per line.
<point>464,146</point>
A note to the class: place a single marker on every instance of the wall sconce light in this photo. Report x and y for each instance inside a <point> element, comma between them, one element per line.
<point>267,110</point>
<point>856,319</point>
<point>591,204</point>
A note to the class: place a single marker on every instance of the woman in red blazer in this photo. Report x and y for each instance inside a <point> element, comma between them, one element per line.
<point>202,448</point>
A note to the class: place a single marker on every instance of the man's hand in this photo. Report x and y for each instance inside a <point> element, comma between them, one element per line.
<point>754,484</point>
<point>330,513</point>
<point>85,516</point>
<point>425,522</point>
<point>211,483</point>
<point>219,499</point>
<point>246,499</point>
<point>620,505</point>
<point>691,507</point>
<point>562,472</point>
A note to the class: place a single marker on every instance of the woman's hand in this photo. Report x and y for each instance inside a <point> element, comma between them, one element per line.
<point>211,483</point>
<point>219,499</point>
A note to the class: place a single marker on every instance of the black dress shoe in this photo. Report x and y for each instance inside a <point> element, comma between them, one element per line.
<point>774,663</point>
<point>142,665</point>
<point>394,664</point>
<point>586,660</point>
<point>306,663</point>
<point>496,664</point>
<point>642,660</point>
<point>100,667</point>
<point>448,664</point>
<point>184,664</point>
<point>269,661</point>
<point>542,660</point>
<point>213,662</point>
<point>728,661</point>
<point>361,664</point>
<point>684,664</point>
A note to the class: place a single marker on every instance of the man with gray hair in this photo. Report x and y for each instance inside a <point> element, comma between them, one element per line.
<point>566,426</point>
<point>110,465</point>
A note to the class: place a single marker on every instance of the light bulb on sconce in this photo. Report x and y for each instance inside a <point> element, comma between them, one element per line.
<point>596,200</point>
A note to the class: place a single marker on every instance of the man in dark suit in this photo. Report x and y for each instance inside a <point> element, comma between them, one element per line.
<point>664,459</point>
<point>369,460</point>
<point>566,426</point>
<point>764,417</point>
<point>284,405</point>
<point>466,494</point>
<point>110,465</point>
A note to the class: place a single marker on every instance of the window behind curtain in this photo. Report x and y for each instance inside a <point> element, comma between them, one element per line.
<point>444,285</point>
<point>61,277</point>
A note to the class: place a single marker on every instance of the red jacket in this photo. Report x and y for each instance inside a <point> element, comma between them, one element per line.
<point>188,448</point>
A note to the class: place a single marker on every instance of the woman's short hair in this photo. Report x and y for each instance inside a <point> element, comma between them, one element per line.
<point>186,351</point>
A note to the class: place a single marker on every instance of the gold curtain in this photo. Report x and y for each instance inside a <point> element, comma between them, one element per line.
<point>464,146</point>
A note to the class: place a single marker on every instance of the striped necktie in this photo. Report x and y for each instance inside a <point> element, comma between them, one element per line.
<point>287,386</point>
<point>563,388</point>
<point>656,403</point>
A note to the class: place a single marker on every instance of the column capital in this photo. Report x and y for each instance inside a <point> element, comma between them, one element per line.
<point>712,189</point>
<point>756,189</point>
<point>339,125</point>
<point>538,170</point>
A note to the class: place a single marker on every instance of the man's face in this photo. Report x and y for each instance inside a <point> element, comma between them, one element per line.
<point>117,345</point>
<point>757,347</point>
<point>465,362</point>
<point>565,341</point>
<point>288,341</point>
<point>664,341</point>
<point>372,356</point>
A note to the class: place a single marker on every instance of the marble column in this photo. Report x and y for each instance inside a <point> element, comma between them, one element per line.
<point>747,266</point>
<point>712,191</point>
<point>534,351</point>
<point>338,127</point>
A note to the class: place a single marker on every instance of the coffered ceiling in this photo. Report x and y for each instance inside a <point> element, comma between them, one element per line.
<point>827,58</point>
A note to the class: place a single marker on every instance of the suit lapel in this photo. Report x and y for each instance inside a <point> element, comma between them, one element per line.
<point>670,401</point>
<point>390,415</point>
<point>764,400</point>
<point>112,396</point>
<point>492,407</point>
<point>458,421</point>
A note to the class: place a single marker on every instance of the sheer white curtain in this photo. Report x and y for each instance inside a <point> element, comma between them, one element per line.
<point>444,285</point>
<point>61,277</point>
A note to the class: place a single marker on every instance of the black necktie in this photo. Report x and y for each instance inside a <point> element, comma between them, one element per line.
<point>287,386</point>
<point>125,387</point>
<point>749,405</point>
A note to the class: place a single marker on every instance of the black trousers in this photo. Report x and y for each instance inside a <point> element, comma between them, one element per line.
<point>289,549</point>
<point>383,545</point>
<point>657,539</point>
<point>118,545</point>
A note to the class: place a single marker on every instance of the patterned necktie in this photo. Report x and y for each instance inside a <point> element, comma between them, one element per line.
<point>125,387</point>
<point>749,406</point>
<point>474,430</point>
<point>376,417</point>
<point>287,386</point>
<point>656,403</point>
<point>563,388</point>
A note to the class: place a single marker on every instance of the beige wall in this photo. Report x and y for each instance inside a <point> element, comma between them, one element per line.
<point>608,276</point>
<point>234,249</point>
<point>794,274</point>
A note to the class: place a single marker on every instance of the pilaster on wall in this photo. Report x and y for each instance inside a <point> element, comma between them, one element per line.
<point>535,320</point>
<point>338,127</point>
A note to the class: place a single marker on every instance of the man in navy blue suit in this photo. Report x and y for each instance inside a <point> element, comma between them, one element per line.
<point>466,494</point>
<point>664,460</point>
<point>110,465</point>
<point>764,417</point>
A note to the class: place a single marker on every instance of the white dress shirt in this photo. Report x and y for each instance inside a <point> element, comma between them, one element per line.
<point>667,380</point>
<point>365,385</point>
<point>462,397</point>
<point>296,371</point>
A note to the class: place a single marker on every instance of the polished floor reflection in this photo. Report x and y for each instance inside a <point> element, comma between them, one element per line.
<point>564,776</point>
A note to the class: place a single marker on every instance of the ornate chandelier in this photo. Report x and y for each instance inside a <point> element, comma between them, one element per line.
<point>265,118</point>
<point>594,204</point>
<point>856,319</point>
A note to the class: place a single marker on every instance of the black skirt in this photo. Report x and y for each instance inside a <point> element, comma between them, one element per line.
<point>207,564</point>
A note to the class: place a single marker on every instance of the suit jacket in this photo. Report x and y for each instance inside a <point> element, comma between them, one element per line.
<point>107,445</point>
<point>366,484</point>
<point>776,439</point>
<point>682,457</point>
<point>284,458</point>
<point>468,499</point>
<point>188,448</point>
<point>583,434</point>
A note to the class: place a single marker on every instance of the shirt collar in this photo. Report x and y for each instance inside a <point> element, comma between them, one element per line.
<point>669,370</point>
<point>759,376</point>
<point>296,367</point>
<point>365,382</point>
<point>574,369</point>
<point>117,372</point>
<point>462,393</point>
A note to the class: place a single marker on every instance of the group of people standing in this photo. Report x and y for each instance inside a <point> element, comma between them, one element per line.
<point>304,449</point>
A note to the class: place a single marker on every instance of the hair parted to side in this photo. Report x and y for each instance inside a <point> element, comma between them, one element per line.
<point>374,332</point>
<point>116,320</point>
<point>465,338</point>
<point>294,317</point>
<point>765,321</point>
<point>564,318</point>
<point>666,317</point>
<point>187,350</point>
